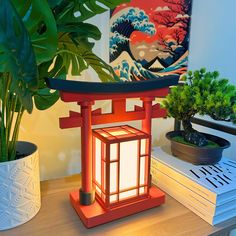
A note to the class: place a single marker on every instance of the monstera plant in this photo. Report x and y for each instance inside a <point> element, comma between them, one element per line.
<point>39,39</point>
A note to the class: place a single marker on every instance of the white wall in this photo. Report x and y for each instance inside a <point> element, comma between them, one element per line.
<point>212,46</point>
<point>213,36</point>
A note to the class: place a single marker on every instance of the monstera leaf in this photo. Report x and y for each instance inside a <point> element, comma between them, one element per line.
<point>16,54</point>
<point>65,11</point>
<point>28,37</point>
<point>75,51</point>
<point>54,3</point>
<point>81,30</point>
<point>73,44</point>
<point>40,23</point>
<point>45,98</point>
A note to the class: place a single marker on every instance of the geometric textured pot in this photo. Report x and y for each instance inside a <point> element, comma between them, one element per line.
<point>198,155</point>
<point>20,198</point>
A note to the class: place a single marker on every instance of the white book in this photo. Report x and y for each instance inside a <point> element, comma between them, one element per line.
<point>200,206</point>
<point>171,186</point>
<point>215,183</point>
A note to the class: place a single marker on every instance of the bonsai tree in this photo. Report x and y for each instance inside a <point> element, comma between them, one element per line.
<point>39,39</point>
<point>202,93</point>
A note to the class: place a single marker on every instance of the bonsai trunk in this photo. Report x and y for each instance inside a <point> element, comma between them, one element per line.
<point>191,135</point>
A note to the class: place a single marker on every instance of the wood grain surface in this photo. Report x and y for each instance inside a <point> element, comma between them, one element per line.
<point>58,218</point>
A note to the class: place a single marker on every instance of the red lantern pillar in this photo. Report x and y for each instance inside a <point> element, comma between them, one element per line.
<point>147,128</point>
<point>147,122</point>
<point>87,193</point>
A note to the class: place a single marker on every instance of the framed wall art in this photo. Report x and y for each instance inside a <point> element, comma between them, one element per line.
<point>150,39</point>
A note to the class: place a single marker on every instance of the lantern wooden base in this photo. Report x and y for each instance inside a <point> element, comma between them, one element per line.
<point>95,214</point>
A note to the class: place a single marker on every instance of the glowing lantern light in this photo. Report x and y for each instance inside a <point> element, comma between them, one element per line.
<point>121,160</point>
<point>115,162</point>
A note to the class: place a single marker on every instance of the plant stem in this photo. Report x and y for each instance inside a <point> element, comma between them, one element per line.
<point>5,90</point>
<point>9,111</point>
<point>8,124</point>
<point>12,149</point>
<point>12,102</point>
<point>11,124</point>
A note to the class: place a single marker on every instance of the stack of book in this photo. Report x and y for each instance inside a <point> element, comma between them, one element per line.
<point>209,190</point>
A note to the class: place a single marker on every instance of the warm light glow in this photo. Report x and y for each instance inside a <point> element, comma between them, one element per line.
<point>98,190</point>
<point>113,152</point>
<point>141,190</point>
<point>103,197</point>
<point>117,133</point>
<point>128,194</point>
<point>143,146</point>
<point>104,134</point>
<point>113,177</point>
<point>104,176</point>
<point>98,162</point>
<point>142,171</point>
<point>113,198</point>
<point>124,153</point>
<point>128,164</point>
<point>104,151</point>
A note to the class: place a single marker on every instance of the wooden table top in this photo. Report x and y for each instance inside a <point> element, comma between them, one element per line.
<point>57,217</point>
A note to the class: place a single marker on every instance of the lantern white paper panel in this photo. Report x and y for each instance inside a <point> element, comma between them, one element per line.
<point>98,148</point>
<point>142,170</point>
<point>141,190</point>
<point>143,146</point>
<point>113,151</point>
<point>128,164</point>
<point>128,194</point>
<point>113,177</point>
<point>104,176</point>
<point>113,198</point>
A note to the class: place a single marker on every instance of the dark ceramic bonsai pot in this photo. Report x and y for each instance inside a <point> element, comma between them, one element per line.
<point>198,155</point>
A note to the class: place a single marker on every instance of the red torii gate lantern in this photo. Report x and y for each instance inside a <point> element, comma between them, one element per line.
<point>103,150</point>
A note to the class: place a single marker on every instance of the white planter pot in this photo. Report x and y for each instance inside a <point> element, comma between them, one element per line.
<point>20,188</point>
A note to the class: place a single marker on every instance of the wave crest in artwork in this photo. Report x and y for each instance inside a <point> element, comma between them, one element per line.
<point>130,70</point>
<point>123,25</point>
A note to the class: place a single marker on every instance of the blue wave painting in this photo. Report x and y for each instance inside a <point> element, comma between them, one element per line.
<point>150,39</point>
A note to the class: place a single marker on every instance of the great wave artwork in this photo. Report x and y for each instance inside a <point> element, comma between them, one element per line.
<point>150,39</point>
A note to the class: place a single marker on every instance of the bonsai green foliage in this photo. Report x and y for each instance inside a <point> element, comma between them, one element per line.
<point>38,39</point>
<point>203,93</point>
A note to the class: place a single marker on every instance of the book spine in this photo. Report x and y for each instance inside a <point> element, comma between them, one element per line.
<point>181,197</point>
<point>225,214</point>
<point>195,187</point>
<point>172,187</point>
